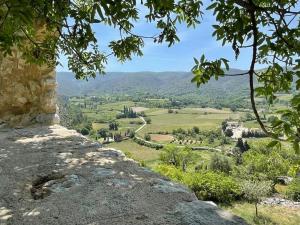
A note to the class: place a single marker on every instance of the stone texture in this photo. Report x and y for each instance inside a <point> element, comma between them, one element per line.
<point>281,202</point>
<point>27,92</point>
<point>51,175</point>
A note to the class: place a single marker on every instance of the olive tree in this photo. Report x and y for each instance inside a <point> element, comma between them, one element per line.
<point>179,157</point>
<point>255,191</point>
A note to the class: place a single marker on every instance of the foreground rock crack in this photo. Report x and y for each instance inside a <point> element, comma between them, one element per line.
<point>51,175</point>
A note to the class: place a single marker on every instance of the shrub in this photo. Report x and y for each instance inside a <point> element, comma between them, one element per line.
<point>213,186</point>
<point>84,131</point>
<point>207,185</point>
<point>147,137</point>
<point>144,143</point>
<point>103,133</point>
<point>196,130</point>
<point>228,132</point>
<point>148,120</point>
<point>269,164</point>
<point>113,125</point>
<point>128,154</point>
<point>224,140</point>
<point>220,163</point>
<point>242,145</point>
<point>177,157</point>
<point>293,190</point>
<point>118,137</point>
<point>233,108</point>
<point>170,171</point>
<point>130,133</point>
<point>170,155</point>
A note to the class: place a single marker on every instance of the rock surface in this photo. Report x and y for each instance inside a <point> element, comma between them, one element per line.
<point>27,91</point>
<point>51,175</point>
<point>281,202</point>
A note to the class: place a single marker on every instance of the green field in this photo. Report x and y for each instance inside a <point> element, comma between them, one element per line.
<point>124,124</point>
<point>137,152</point>
<point>150,157</point>
<point>101,112</point>
<point>268,215</point>
<point>187,118</point>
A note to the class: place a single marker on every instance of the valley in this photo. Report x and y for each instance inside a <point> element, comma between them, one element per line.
<point>188,142</point>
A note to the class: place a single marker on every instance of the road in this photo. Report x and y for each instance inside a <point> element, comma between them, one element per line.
<point>141,127</point>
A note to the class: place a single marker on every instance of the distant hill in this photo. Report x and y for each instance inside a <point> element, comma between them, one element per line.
<point>168,84</point>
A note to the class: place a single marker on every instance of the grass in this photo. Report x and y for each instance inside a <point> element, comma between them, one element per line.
<point>139,153</point>
<point>98,126</point>
<point>187,118</point>
<point>281,189</point>
<point>124,124</point>
<point>268,215</point>
<point>105,112</point>
<point>251,124</point>
<point>150,156</point>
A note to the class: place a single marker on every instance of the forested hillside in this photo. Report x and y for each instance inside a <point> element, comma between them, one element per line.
<point>226,91</point>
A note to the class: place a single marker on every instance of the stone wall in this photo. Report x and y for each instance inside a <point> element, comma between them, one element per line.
<point>27,92</point>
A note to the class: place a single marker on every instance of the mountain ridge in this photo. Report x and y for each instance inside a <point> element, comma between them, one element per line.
<point>141,81</point>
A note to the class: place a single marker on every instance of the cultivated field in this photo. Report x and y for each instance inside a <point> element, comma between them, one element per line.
<point>187,118</point>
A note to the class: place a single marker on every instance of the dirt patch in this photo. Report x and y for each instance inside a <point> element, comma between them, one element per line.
<point>139,109</point>
<point>161,137</point>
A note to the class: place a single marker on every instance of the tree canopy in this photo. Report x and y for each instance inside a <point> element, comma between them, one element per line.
<point>269,28</point>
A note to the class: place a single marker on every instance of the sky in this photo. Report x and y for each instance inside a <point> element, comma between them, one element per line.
<point>159,57</point>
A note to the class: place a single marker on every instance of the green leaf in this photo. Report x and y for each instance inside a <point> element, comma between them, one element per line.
<point>212,6</point>
<point>273,144</point>
<point>196,61</point>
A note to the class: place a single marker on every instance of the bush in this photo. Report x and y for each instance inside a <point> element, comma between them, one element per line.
<point>196,130</point>
<point>136,122</point>
<point>213,186</point>
<point>147,137</point>
<point>147,144</point>
<point>228,132</point>
<point>148,120</point>
<point>171,172</point>
<point>178,157</point>
<point>84,131</point>
<point>118,137</point>
<point>207,185</point>
<point>113,125</point>
<point>293,190</point>
<point>128,154</point>
<point>267,164</point>
<point>220,163</point>
<point>130,133</point>
<point>242,145</point>
<point>254,133</point>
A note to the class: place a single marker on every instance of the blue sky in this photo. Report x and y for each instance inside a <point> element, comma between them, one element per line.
<point>160,57</point>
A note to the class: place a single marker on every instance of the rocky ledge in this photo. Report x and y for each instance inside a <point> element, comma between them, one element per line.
<point>281,202</point>
<point>51,175</point>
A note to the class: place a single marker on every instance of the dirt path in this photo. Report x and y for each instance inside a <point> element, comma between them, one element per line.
<point>141,127</point>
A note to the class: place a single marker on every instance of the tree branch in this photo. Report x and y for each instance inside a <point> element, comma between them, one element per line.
<point>236,74</point>
<point>251,71</point>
